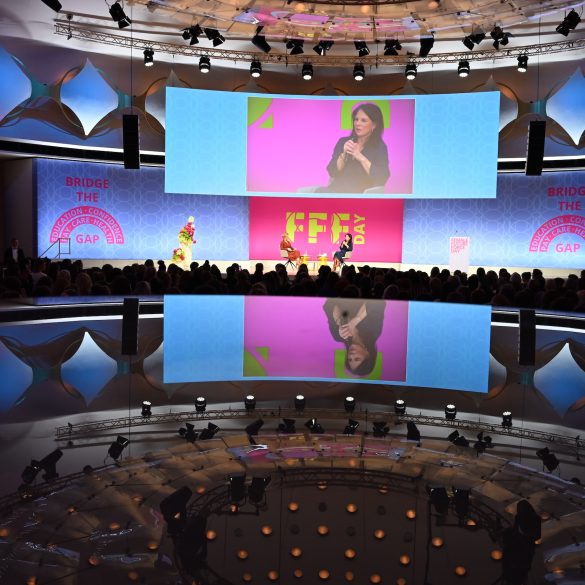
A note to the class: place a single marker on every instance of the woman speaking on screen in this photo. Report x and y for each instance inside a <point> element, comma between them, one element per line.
<point>360,161</point>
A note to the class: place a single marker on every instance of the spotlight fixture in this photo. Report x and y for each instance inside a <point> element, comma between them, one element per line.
<point>53,4</point>
<point>287,426</point>
<point>300,402</point>
<point>146,408</point>
<point>569,23</point>
<point>49,465</point>
<point>522,63</point>
<point>307,71</point>
<point>410,71</point>
<point>453,436</point>
<point>500,37</point>
<point>200,404</point>
<point>351,427</point>
<point>322,47</point>
<point>461,502</point>
<point>174,509</point>
<point>349,404</point>
<point>117,447</point>
<point>426,44</point>
<point>412,432</point>
<point>214,36</point>
<point>204,64</point>
<point>480,445</point>
<point>192,33</point>
<point>359,71</point>
<point>148,57</point>
<point>439,499</point>
<point>400,407</point>
<point>257,489</point>
<point>253,428</point>
<point>314,426</point>
<point>295,46</point>
<point>118,15</point>
<point>474,39</point>
<point>391,47</point>
<point>188,433</point>
<point>237,488</point>
<point>381,429</point>
<point>548,459</point>
<point>461,441</point>
<point>256,68</point>
<point>463,69</point>
<point>507,419</point>
<point>467,41</point>
<point>30,472</point>
<point>450,412</point>
<point>362,48</point>
<point>209,432</point>
<point>250,402</point>
<point>259,41</point>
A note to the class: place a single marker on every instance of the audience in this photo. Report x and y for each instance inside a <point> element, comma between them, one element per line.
<point>42,278</point>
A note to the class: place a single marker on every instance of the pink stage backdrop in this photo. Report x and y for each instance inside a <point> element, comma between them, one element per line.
<point>291,141</point>
<point>317,226</point>
<point>283,339</point>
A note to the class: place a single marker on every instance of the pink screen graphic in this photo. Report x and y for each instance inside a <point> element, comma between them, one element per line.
<point>291,142</point>
<point>325,338</point>
<point>317,226</point>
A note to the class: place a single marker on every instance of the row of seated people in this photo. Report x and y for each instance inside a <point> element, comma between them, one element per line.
<point>43,278</point>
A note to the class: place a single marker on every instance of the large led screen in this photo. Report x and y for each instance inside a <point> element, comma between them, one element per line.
<point>210,338</point>
<point>220,143</point>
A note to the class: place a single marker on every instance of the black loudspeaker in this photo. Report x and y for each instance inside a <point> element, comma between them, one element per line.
<point>131,141</point>
<point>527,337</point>
<point>130,327</point>
<point>535,147</point>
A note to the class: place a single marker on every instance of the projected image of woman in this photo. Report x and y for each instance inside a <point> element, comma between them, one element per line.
<point>360,160</point>
<point>358,325</point>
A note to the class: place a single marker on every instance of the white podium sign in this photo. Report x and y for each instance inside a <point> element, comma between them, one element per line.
<point>459,253</point>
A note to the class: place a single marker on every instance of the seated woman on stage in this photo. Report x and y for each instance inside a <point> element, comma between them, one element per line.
<point>286,244</point>
<point>346,246</point>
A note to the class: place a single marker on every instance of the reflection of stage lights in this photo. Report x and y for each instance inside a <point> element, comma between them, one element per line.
<point>349,404</point>
<point>400,407</point>
<point>200,404</point>
<point>250,402</point>
<point>300,402</point>
<point>450,411</point>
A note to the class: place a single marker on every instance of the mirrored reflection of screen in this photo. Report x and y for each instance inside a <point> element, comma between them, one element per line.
<point>307,146</point>
<point>210,338</point>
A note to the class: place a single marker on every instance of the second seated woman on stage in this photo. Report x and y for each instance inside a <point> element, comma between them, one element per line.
<point>345,247</point>
<point>360,160</point>
<point>286,244</point>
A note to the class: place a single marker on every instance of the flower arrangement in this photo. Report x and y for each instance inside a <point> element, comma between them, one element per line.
<point>187,232</point>
<point>178,255</point>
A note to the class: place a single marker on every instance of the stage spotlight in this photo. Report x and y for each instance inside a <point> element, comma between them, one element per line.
<point>548,459</point>
<point>295,46</point>
<point>351,427</point>
<point>188,433</point>
<point>237,488</point>
<point>426,44</point>
<point>259,41</point>
<point>214,36</point>
<point>53,4</point>
<point>192,33</point>
<point>49,465</point>
<point>307,72</point>
<point>412,432</point>
<point>253,428</point>
<point>117,447</point>
<point>381,429</point>
<point>569,23</point>
<point>257,489</point>
<point>148,57</point>
<point>400,407</point>
<point>250,402</point>
<point>322,47</point>
<point>507,419</point>
<point>287,426</point>
<point>439,499</point>
<point>362,48</point>
<point>522,63</point>
<point>146,409</point>
<point>359,72</point>
<point>500,37</point>
<point>468,43</point>
<point>256,68</point>
<point>461,502</point>
<point>314,426</point>
<point>300,402</point>
<point>528,520</point>
<point>30,472</point>
<point>209,432</point>
<point>452,436</point>
<point>481,444</point>
<point>461,441</point>
<point>477,37</point>
<point>204,64</point>
<point>450,412</point>
<point>118,15</point>
<point>174,509</point>
<point>410,71</point>
<point>349,404</point>
<point>391,47</point>
<point>463,68</point>
<point>200,404</point>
